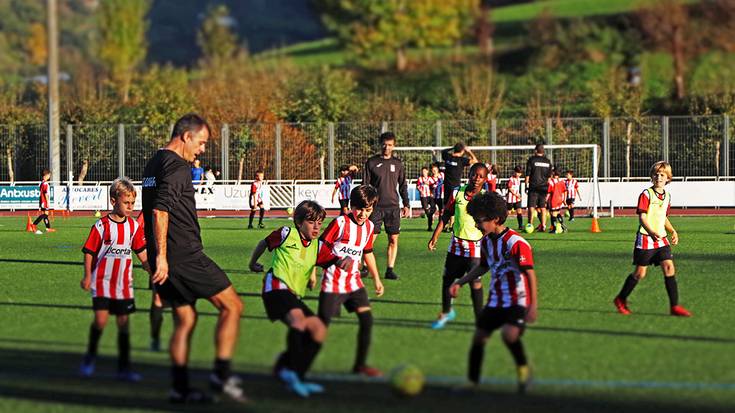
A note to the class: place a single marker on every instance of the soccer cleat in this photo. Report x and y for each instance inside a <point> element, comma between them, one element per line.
<point>191,396</point>
<point>128,376</point>
<point>622,306</point>
<point>443,319</point>
<point>571,219</point>
<point>560,229</point>
<point>390,275</point>
<point>232,387</point>
<point>50,230</point>
<point>261,226</point>
<point>39,232</point>
<point>367,371</point>
<point>155,344</point>
<point>540,229</point>
<point>313,388</point>
<point>552,230</point>
<point>293,383</point>
<point>250,227</point>
<point>680,311</point>
<point>524,379</point>
<point>86,369</point>
<point>429,229</point>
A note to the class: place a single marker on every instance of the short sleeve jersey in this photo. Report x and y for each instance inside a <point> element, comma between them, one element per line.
<point>645,241</point>
<point>44,195</point>
<point>343,185</point>
<point>453,168</point>
<point>507,256</point>
<point>256,190</point>
<point>538,169</point>
<point>344,237</point>
<point>167,187</point>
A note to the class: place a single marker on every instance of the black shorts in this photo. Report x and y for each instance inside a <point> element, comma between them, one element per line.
<point>570,201</point>
<point>115,307</point>
<point>456,266</point>
<point>278,303</point>
<point>391,217</point>
<point>536,199</point>
<point>427,203</point>
<point>329,303</point>
<point>514,205</point>
<point>644,258</point>
<point>492,318</point>
<point>198,277</point>
<point>439,202</point>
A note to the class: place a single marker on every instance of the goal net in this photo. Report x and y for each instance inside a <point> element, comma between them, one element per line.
<point>583,159</point>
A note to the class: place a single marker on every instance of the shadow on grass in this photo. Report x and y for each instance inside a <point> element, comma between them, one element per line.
<point>48,379</point>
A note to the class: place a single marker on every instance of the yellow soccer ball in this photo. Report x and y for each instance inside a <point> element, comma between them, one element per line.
<point>289,211</point>
<point>407,380</point>
<point>97,214</point>
<point>529,228</point>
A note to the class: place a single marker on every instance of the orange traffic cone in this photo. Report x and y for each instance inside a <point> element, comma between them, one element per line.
<point>29,224</point>
<point>595,226</point>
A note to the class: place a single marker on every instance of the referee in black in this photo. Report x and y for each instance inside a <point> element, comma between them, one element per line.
<point>538,172</point>
<point>386,173</point>
<point>182,273</point>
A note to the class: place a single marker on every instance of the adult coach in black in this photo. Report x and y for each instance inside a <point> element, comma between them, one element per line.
<point>538,171</point>
<point>386,173</point>
<point>454,163</point>
<point>181,272</point>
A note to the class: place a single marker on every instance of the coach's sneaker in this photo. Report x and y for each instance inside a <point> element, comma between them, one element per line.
<point>293,383</point>
<point>367,371</point>
<point>232,387</point>
<point>622,306</point>
<point>86,369</point>
<point>191,396</point>
<point>128,376</point>
<point>680,311</point>
<point>443,319</point>
<point>524,379</point>
<point>390,275</point>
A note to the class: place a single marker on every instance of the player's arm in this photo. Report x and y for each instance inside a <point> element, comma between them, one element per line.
<point>473,158</point>
<point>160,229</point>
<point>257,252</point>
<point>475,273</point>
<point>532,312</point>
<point>312,278</point>
<point>143,257</point>
<point>670,228</point>
<point>86,282</point>
<point>446,216</point>
<point>372,267</point>
<point>403,190</point>
<point>334,191</point>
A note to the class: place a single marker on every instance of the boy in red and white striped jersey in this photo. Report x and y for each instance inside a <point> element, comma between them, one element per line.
<point>556,195</point>
<point>651,244</point>
<point>491,183</point>
<point>425,185</point>
<point>256,199</point>
<point>572,186</point>
<point>513,197</point>
<point>43,203</point>
<point>351,236</point>
<point>512,301</point>
<point>108,274</point>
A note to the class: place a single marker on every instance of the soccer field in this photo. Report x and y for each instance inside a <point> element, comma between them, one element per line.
<point>585,357</point>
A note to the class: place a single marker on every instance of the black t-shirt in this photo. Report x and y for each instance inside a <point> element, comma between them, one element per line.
<point>538,170</point>
<point>453,169</point>
<point>385,175</point>
<point>167,187</point>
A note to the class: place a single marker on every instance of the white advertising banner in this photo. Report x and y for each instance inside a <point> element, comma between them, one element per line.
<point>91,198</point>
<point>315,192</point>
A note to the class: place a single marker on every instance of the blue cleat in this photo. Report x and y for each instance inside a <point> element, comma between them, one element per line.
<point>443,319</point>
<point>312,387</point>
<point>128,376</point>
<point>86,369</point>
<point>293,383</point>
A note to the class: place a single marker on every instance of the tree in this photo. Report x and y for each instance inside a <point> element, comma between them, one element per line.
<point>215,37</point>
<point>370,27</point>
<point>37,44</point>
<point>484,29</point>
<point>122,26</point>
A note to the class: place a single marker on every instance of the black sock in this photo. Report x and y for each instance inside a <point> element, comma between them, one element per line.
<point>477,352</point>
<point>553,221</point>
<point>364,334</point>
<point>430,219</point>
<point>571,213</point>
<point>560,219</point>
<point>295,348</point>
<point>46,221</point>
<point>94,339</point>
<point>260,217</point>
<point>477,304</point>
<point>311,349</point>
<point>180,375</point>
<point>446,298</point>
<point>519,355</point>
<point>222,368</point>
<point>389,270</point>
<point>520,220</point>
<point>156,317</point>
<point>628,287</point>
<point>252,216</point>
<point>123,351</point>
<point>672,289</point>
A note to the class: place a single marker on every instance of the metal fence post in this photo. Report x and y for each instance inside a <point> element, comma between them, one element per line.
<point>494,140</point>
<point>278,151</point>
<point>121,150</point>
<point>665,138</point>
<point>383,127</point>
<point>69,153</point>
<point>726,146</point>
<point>330,149</point>
<point>225,146</point>
<point>437,139</point>
<point>606,148</point>
<point>549,137</point>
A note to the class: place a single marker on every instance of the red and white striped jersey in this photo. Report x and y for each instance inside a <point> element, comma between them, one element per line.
<point>425,185</point>
<point>464,248</point>
<point>491,181</point>
<point>556,191</point>
<point>645,241</point>
<point>256,189</point>
<point>572,187</point>
<point>344,238</point>
<point>111,245</point>
<point>507,256</point>
<point>43,198</point>
<point>514,190</point>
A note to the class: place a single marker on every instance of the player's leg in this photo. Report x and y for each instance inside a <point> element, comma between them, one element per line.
<point>252,217</point>
<point>570,207</point>
<point>359,303</point>
<point>155,316</point>
<point>123,350</point>
<point>672,288</point>
<point>476,295</point>
<point>512,338</point>
<point>543,217</point>
<point>392,254</point>
<point>477,353</point>
<point>185,319</point>
<point>86,369</point>
<point>260,217</point>
<point>452,270</point>
<point>431,212</point>
<point>519,215</point>
<point>621,300</point>
<point>230,308</point>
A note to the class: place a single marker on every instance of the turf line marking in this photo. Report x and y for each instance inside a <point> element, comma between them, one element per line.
<point>614,384</point>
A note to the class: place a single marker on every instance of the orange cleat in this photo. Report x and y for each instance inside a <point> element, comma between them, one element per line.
<point>50,230</point>
<point>622,306</point>
<point>680,311</point>
<point>368,371</point>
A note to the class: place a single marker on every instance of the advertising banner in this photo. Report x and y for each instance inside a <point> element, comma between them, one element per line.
<point>314,192</point>
<point>20,197</point>
<point>87,198</point>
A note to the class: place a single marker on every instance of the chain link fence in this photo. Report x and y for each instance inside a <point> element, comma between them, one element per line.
<point>697,147</point>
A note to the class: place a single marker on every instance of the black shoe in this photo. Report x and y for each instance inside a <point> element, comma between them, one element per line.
<point>261,226</point>
<point>430,229</point>
<point>232,387</point>
<point>390,275</point>
<point>191,396</point>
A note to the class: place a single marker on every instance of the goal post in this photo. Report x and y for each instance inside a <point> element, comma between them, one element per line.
<point>579,157</point>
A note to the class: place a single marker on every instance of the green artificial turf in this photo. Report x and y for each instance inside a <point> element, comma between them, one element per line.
<point>584,355</point>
